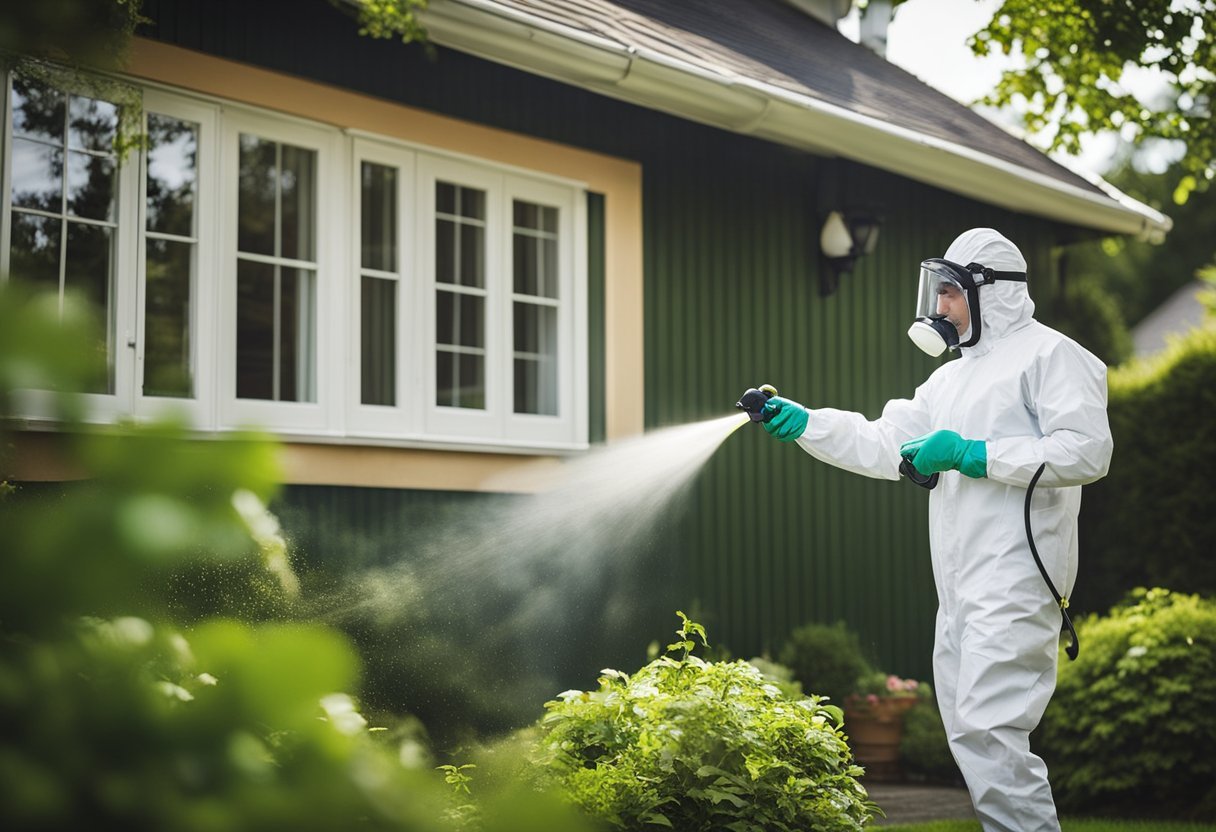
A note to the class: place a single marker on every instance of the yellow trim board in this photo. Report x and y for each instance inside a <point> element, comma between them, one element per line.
<point>46,456</point>
<point>619,180</point>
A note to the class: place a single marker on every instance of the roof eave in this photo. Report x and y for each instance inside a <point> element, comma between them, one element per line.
<point>744,105</point>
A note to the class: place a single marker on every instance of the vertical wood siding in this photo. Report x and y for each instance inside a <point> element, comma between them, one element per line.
<point>771,538</point>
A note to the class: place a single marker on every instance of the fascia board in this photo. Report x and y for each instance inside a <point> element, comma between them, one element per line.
<point>743,105</point>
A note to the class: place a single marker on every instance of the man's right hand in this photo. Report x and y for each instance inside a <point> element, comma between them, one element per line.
<point>788,421</point>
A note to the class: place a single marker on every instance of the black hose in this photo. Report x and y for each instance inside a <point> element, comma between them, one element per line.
<point>1075,647</point>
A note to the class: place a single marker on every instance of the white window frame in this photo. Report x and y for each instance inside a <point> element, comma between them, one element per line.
<point>321,416</point>
<point>198,410</point>
<point>403,419</point>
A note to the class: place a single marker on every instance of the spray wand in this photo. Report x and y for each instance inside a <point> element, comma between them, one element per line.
<point>753,401</point>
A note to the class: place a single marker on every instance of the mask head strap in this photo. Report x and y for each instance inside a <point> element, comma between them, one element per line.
<point>992,275</point>
<point>972,276</point>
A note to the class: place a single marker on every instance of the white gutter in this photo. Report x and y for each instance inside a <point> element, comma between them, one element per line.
<point>726,100</point>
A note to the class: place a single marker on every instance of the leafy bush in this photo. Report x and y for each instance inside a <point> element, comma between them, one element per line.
<point>1133,722</point>
<point>124,704</point>
<point>1151,521</point>
<point>924,751</point>
<point>827,660</point>
<point>1088,313</point>
<point>696,746</point>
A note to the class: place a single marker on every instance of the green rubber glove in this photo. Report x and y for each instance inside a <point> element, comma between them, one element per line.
<point>945,450</point>
<point>789,419</point>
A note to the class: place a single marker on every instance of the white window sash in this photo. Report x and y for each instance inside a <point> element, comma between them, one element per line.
<point>322,416</point>
<point>99,407</point>
<point>569,425</point>
<point>404,418</point>
<point>460,423</point>
<point>199,411</point>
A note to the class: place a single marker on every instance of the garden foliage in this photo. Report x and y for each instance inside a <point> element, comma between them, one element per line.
<point>124,706</point>
<point>1133,722</point>
<point>826,659</point>
<point>695,745</point>
<point>924,751</point>
<point>1152,520</point>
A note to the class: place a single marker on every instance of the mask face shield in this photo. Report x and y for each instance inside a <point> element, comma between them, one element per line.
<point>938,286</point>
<point>938,290</point>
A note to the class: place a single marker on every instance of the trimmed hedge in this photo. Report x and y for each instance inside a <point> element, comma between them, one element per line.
<point>1132,725</point>
<point>1152,520</point>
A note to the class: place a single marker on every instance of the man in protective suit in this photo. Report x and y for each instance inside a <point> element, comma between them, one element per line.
<point>1020,397</point>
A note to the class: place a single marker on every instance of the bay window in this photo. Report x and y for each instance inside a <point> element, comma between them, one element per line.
<point>253,269</point>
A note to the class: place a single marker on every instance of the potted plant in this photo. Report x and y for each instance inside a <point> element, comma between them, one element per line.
<point>874,721</point>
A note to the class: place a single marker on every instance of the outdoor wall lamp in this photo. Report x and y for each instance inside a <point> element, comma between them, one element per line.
<point>845,237</point>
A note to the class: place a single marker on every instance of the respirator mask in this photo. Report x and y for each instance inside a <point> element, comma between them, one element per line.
<point>940,280</point>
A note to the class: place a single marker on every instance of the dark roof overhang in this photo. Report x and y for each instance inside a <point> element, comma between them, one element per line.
<point>661,66</point>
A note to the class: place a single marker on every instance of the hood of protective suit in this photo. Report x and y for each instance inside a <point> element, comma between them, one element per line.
<point>1004,305</point>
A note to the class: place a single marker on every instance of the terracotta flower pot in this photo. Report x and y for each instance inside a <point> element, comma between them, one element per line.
<point>875,730</point>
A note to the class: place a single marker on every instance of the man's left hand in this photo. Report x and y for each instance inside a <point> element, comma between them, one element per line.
<point>945,450</point>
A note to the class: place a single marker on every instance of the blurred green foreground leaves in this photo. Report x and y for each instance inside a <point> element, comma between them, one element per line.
<point>128,701</point>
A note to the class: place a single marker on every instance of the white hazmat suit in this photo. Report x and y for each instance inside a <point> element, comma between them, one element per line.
<point>1033,396</point>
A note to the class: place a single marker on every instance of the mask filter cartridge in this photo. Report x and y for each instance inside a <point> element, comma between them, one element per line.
<point>934,334</point>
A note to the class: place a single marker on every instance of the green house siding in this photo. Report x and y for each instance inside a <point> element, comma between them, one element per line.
<point>770,538</point>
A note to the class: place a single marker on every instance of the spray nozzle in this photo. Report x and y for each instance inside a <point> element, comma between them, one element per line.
<point>753,400</point>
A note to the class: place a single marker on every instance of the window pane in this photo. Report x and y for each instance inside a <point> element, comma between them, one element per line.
<point>37,176</point>
<point>255,330</point>
<point>87,271</point>
<point>445,251</point>
<point>548,272</point>
<point>172,175</point>
<point>38,110</point>
<point>91,186</point>
<point>92,124</point>
<point>445,198</point>
<point>299,203</point>
<point>460,380</point>
<point>535,387</point>
<point>535,329</point>
<point>526,264</point>
<point>379,217</point>
<point>297,336</point>
<point>471,270</point>
<point>379,341</point>
<point>535,337</point>
<point>35,250</point>
<point>459,319</point>
<point>167,324</point>
<point>472,203</point>
<point>256,199</point>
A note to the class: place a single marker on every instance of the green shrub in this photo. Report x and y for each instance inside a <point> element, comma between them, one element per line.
<point>1133,722</point>
<point>696,746</point>
<point>827,660</point>
<point>1151,521</point>
<point>1089,314</point>
<point>924,752</point>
